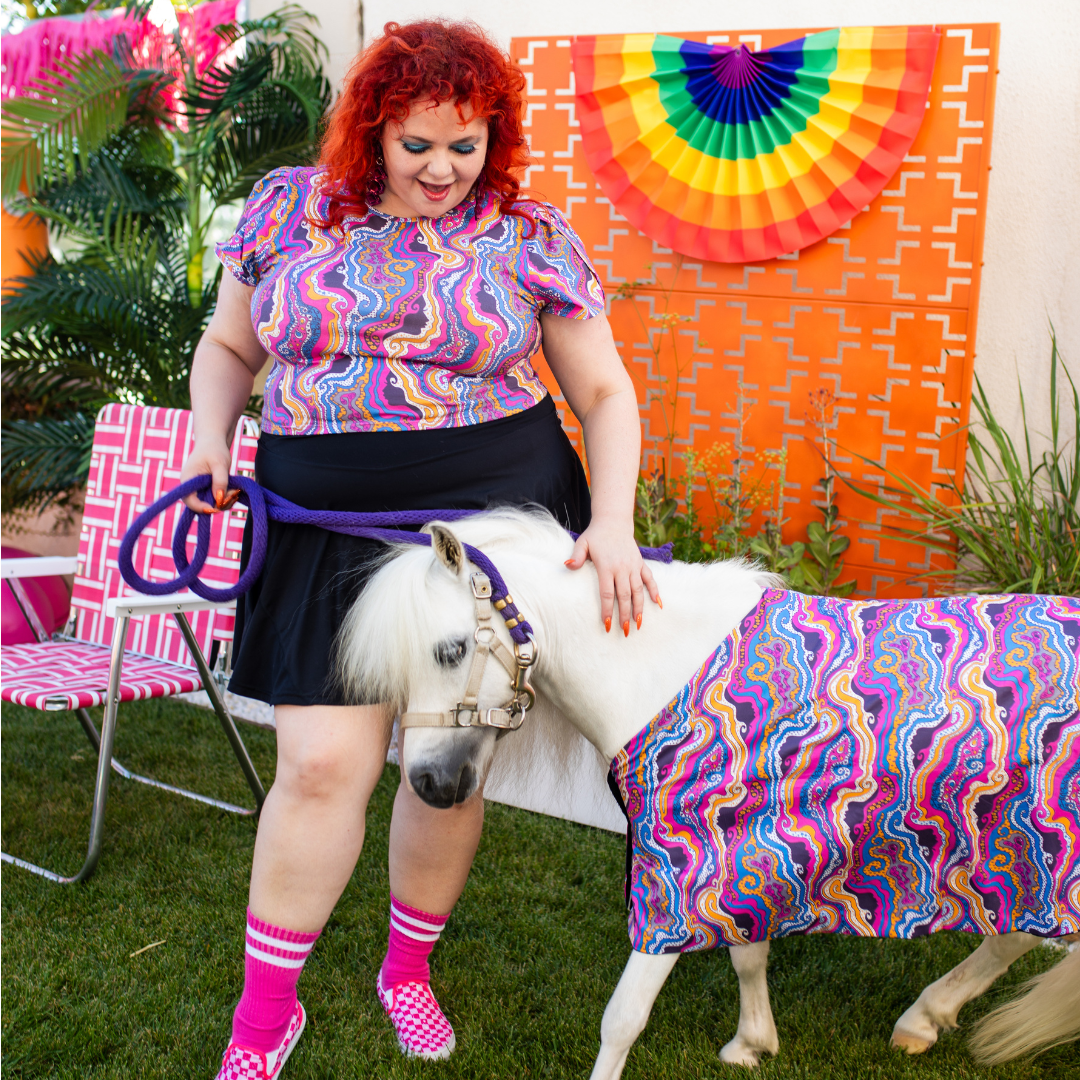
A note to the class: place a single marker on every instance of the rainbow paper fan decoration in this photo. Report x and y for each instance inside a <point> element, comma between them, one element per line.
<point>726,154</point>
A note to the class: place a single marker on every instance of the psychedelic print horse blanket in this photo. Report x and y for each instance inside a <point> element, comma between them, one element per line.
<point>881,768</point>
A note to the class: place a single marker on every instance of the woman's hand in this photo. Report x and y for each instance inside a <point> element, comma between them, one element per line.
<point>227,359</point>
<point>623,575</point>
<point>210,454</point>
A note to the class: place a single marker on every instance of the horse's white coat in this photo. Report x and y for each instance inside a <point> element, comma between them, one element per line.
<point>414,602</point>
<point>609,688</point>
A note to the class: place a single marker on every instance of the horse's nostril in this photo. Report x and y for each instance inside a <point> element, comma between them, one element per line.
<point>435,791</point>
<point>465,784</point>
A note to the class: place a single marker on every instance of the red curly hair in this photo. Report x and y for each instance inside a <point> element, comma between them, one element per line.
<point>435,60</point>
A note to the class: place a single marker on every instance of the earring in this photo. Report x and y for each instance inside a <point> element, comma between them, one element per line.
<point>376,182</point>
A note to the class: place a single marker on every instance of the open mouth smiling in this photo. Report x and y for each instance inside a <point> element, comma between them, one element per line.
<point>435,192</point>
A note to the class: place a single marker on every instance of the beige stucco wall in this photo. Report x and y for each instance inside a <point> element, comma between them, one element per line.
<point>1032,272</point>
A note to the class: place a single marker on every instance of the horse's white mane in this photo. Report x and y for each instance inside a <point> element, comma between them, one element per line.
<point>390,630</point>
<point>389,635</point>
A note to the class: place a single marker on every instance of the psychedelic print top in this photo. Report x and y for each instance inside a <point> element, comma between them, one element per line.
<point>880,768</point>
<point>392,324</point>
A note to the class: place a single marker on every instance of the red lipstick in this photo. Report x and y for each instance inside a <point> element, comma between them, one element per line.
<point>435,193</point>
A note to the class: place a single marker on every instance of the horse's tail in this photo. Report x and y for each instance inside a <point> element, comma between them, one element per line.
<point>1047,1014</point>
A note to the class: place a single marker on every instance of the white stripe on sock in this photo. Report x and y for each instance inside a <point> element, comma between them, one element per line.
<point>277,961</point>
<point>418,923</point>
<point>277,943</point>
<point>409,932</point>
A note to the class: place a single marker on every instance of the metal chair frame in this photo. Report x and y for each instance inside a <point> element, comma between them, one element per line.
<point>121,609</point>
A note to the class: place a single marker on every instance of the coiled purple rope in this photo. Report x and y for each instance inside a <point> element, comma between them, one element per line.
<point>265,505</point>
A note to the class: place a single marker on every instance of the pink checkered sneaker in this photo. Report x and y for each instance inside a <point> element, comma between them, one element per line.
<point>243,1063</point>
<point>422,1030</point>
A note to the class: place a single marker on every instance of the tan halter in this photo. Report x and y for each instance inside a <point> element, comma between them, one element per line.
<point>467,713</point>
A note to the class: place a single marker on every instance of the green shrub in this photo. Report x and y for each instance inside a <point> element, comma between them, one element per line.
<point>1014,524</point>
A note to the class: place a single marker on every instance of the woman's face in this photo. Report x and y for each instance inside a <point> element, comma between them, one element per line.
<point>432,159</point>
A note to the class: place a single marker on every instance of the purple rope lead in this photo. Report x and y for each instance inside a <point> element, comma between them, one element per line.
<point>265,505</point>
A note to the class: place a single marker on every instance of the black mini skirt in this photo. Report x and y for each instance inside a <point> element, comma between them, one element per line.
<point>286,625</point>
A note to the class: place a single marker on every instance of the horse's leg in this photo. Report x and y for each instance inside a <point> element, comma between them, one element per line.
<point>627,1012</point>
<point>757,1031</point>
<point>938,1006</point>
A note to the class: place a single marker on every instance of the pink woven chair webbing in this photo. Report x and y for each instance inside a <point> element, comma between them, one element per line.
<point>137,456</point>
<point>62,675</point>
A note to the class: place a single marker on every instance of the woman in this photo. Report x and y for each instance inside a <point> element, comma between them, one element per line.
<point>400,288</point>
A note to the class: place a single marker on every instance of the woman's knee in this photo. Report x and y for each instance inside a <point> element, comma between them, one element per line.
<point>321,757</point>
<point>315,773</point>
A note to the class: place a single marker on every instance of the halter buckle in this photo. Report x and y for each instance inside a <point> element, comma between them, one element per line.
<point>465,715</point>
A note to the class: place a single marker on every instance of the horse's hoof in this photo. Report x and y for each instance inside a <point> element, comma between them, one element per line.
<point>911,1043</point>
<point>737,1052</point>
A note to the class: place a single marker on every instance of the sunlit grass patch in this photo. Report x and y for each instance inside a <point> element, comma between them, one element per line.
<point>525,967</point>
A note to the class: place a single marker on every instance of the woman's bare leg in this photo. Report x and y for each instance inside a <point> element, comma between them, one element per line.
<point>432,851</point>
<point>312,825</point>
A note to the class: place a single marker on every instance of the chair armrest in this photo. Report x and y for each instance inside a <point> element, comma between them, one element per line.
<point>161,605</point>
<point>42,566</point>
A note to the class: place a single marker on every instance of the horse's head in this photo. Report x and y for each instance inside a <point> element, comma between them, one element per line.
<point>422,638</point>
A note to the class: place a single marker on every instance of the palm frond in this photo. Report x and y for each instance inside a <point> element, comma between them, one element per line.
<point>78,211</point>
<point>289,26</point>
<point>222,88</point>
<point>122,180</point>
<point>252,146</point>
<point>42,459</point>
<point>106,287</point>
<point>59,118</point>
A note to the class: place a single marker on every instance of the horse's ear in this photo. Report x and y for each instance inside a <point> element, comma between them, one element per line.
<point>448,549</point>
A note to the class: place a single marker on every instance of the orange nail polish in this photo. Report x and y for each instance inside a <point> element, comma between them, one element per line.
<point>638,621</point>
<point>607,624</point>
<point>660,603</point>
<point>569,562</point>
<point>219,497</point>
<point>626,628</point>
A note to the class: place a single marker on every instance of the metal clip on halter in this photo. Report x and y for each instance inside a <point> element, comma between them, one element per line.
<point>467,712</point>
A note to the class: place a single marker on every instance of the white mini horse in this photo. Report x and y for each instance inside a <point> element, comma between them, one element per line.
<point>410,640</point>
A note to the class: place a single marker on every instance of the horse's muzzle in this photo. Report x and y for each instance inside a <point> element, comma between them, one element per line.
<point>452,775</point>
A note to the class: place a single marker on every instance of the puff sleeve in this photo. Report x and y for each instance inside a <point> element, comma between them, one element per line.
<point>258,241</point>
<point>562,279</point>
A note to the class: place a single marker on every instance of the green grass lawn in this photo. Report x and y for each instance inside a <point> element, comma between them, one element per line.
<point>524,968</point>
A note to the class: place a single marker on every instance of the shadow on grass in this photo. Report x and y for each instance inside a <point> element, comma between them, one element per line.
<point>524,969</point>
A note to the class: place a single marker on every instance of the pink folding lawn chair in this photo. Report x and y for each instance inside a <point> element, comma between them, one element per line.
<point>120,646</point>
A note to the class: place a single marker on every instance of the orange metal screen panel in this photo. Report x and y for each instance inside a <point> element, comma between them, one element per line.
<point>881,314</point>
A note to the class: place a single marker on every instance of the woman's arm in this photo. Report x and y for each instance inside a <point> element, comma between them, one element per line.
<point>227,359</point>
<point>582,356</point>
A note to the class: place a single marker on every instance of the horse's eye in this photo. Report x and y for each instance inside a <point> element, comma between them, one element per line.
<point>451,653</point>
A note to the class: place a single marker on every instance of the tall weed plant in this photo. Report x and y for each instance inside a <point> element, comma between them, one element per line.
<point>1014,524</point>
<point>745,493</point>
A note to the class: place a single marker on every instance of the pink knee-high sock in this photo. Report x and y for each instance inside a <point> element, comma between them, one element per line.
<point>273,960</point>
<point>413,934</point>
